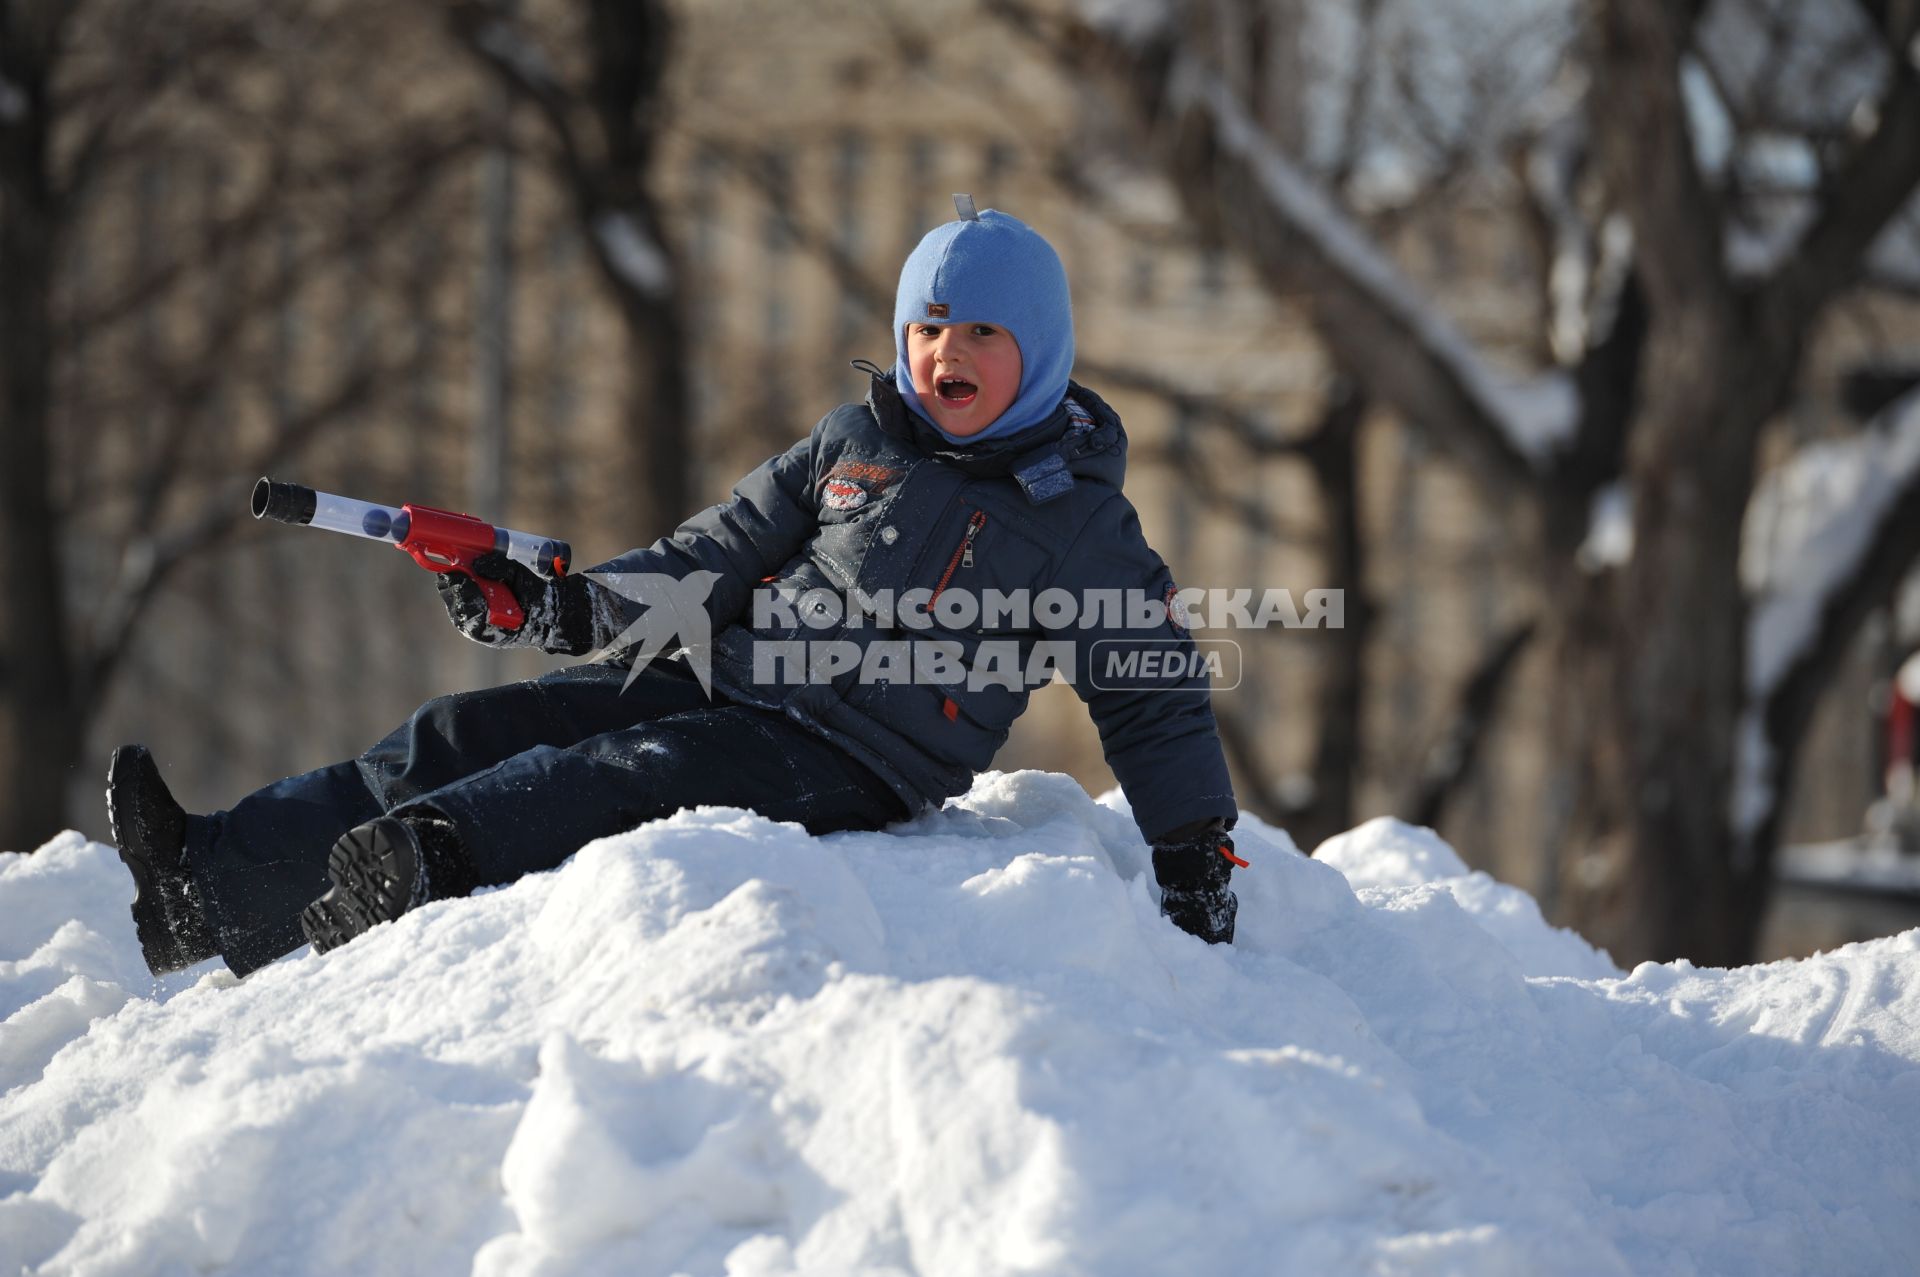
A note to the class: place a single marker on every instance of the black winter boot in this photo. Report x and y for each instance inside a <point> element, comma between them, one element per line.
<point>380,870</point>
<point>150,830</point>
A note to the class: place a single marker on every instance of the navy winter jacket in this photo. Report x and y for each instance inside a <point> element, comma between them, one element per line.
<point>873,500</point>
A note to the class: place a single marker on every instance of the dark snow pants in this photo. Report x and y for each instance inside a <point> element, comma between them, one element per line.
<point>527,773</point>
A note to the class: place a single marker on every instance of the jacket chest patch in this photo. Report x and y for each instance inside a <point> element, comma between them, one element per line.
<point>851,483</point>
<point>842,494</point>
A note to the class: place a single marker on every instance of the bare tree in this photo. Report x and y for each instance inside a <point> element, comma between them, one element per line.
<point>602,126</point>
<point>115,479</point>
<point>36,734</point>
<point>1678,699</point>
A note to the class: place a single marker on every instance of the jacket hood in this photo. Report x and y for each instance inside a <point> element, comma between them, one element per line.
<point>1095,451</point>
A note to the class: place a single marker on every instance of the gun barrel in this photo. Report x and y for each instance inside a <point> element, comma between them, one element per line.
<point>283,502</point>
<point>291,503</point>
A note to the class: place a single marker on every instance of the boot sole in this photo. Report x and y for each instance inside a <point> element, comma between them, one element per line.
<point>367,871</point>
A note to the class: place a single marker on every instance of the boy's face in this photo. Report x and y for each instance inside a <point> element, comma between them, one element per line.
<point>965,374</point>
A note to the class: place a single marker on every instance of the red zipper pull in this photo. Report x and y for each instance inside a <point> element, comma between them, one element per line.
<point>962,556</point>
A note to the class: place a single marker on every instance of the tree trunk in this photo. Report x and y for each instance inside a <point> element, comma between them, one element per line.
<point>1333,455</point>
<point>607,132</point>
<point>630,43</point>
<point>660,417</point>
<point>40,714</point>
<point>1660,664</point>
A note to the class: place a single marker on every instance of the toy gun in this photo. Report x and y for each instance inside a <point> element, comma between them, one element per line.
<point>438,540</point>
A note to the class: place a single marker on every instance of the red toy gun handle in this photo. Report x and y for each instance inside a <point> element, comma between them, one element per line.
<point>443,541</point>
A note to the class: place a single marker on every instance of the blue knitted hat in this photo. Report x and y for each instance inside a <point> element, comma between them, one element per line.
<point>991,269</point>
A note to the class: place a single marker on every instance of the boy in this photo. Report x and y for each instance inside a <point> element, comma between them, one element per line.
<point>974,466</point>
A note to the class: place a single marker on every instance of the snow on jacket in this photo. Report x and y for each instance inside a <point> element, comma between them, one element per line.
<point>874,503</point>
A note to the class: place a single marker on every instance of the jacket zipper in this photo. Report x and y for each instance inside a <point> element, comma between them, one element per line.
<point>962,555</point>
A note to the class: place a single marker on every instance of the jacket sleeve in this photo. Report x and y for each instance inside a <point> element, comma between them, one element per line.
<point>1157,729</point>
<point>770,515</point>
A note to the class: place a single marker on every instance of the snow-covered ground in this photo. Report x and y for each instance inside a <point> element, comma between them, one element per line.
<point>966,1046</point>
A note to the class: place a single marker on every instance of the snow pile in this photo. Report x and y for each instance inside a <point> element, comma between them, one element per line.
<point>968,1046</point>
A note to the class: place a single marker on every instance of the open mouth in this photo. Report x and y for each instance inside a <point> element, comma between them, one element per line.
<point>956,392</point>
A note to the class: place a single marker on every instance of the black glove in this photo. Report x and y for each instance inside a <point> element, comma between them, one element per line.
<point>1191,865</point>
<point>559,613</point>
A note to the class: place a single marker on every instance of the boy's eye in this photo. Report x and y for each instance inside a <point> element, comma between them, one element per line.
<point>983,330</point>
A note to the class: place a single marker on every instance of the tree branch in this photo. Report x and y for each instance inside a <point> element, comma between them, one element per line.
<point>1243,745</point>
<point>603,152</point>
<point>407,171</point>
<point>150,561</point>
<point>178,395</point>
<point>1237,183</point>
<point>876,298</point>
<point>605,132</point>
<point>1450,760</point>
<point>1865,193</point>
<point>148,62</point>
<point>1648,155</point>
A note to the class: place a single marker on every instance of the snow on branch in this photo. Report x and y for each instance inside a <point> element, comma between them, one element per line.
<point>1532,419</point>
<point>1811,525</point>
<point>13,102</point>
<point>1827,537</point>
<point>633,255</point>
<point>520,62</point>
<point>1131,22</point>
<point>503,43</point>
